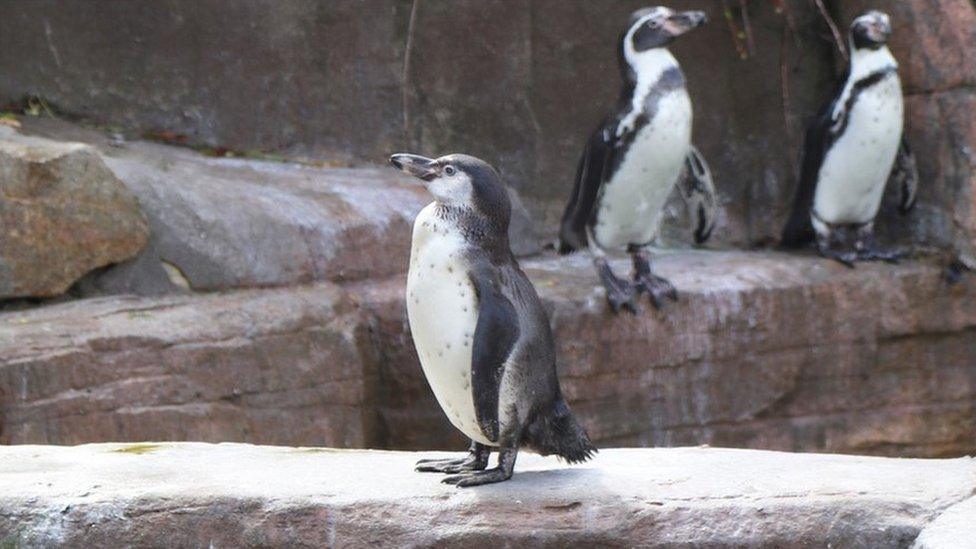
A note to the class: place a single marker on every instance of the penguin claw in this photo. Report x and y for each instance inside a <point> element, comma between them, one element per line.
<point>469,463</point>
<point>623,300</point>
<point>658,289</point>
<point>888,256</point>
<point>489,476</point>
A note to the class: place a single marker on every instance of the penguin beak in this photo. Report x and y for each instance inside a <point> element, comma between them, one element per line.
<point>685,21</point>
<point>418,166</point>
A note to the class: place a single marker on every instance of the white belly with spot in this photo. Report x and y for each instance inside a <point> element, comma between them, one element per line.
<point>441,307</point>
<point>633,200</point>
<point>854,173</point>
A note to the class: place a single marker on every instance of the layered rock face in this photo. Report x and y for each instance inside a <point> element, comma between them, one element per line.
<point>763,350</point>
<point>190,495</point>
<point>63,213</point>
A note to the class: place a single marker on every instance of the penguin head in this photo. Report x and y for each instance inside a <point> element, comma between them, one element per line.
<point>461,182</point>
<point>658,26</point>
<point>871,30</point>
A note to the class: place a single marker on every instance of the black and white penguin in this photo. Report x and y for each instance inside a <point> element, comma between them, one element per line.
<point>480,330</point>
<point>853,147</point>
<point>636,157</point>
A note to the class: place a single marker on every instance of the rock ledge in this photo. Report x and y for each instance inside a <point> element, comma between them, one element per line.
<point>193,494</point>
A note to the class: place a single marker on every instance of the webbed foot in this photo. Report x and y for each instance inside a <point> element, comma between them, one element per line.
<point>621,294</point>
<point>488,476</point>
<point>476,460</point>
<point>657,288</point>
<point>874,254</point>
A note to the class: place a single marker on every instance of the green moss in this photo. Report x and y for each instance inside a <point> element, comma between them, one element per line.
<point>137,449</point>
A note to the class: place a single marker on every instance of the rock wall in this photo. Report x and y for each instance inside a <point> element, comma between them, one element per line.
<point>762,351</point>
<point>520,84</point>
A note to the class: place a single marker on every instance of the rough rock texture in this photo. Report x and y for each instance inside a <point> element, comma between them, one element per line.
<point>954,529</point>
<point>231,223</point>
<point>337,79</point>
<point>763,350</point>
<point>62,214</point>
<point>935,43</point>
<point>195,495</point>
<point>279,366</point>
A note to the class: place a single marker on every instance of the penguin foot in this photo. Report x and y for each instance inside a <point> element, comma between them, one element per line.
<point>489,476</point>
<point>469,463</point>
<point>620,293</point>
<point>658,289</point>
<point>846,259</point>
<point>872,254</point>
<point>622,296</point>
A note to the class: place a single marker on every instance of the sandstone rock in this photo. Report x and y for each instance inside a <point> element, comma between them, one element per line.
<point>334,80</point>
<point>231,223</point>
<point>168,494</point>
<point>63,213</point>
<point>276,365</point>
<point>763,351</point>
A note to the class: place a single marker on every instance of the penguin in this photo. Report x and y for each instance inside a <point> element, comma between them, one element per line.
<point>634,160</point>
<point>852,149</point>
<point>479,328</point>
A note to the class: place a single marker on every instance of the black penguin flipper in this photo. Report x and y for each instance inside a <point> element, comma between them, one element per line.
<point>698,189</point>
<point>495,335</point>
<point>904,177</point>
<point>589,179</point>
<point>819,137</point>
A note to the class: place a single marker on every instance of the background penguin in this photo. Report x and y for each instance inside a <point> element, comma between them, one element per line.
<point>480,330</point>
<point>634,159</point>
<point>852,148</point>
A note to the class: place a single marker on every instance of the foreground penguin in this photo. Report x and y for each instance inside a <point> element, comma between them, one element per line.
<point>852,149</point>
<point>633,161</point>
<point>480,330</point>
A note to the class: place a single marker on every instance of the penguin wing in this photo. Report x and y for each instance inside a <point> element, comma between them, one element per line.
<point>589,179</point>
<point>495,335</point>
<point>821,134</point>
<point>698,189</point>
<point>904,176</point>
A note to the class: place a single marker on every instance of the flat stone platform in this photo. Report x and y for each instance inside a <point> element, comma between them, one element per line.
<point>224,495</point>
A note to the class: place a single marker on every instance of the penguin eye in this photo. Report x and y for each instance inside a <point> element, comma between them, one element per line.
<point>449,170</point>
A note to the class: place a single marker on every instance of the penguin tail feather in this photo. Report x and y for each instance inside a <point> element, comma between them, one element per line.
<point>558,432</point>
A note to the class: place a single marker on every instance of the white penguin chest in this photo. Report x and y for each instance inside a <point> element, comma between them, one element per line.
<point>856,168</point>
<point>633,199</point>
<point>442,310</point>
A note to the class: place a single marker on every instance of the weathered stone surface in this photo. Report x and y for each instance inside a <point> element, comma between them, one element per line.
<point>354,80</point>
<point>62,214</point>
<point>763,350</point>
<point>954,529</point>
<point>191,495</point>
<point>231,223</point>
<point>280,366</point>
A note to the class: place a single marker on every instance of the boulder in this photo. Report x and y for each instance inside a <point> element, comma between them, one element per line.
<point>763,351</point>
<point>63,213</point>
<point>233,495</point>
<point>954,528</point>
<point>279,366</point>
<point>226,223</point>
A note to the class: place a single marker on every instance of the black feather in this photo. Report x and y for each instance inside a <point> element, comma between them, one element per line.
<point>495,335</point>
